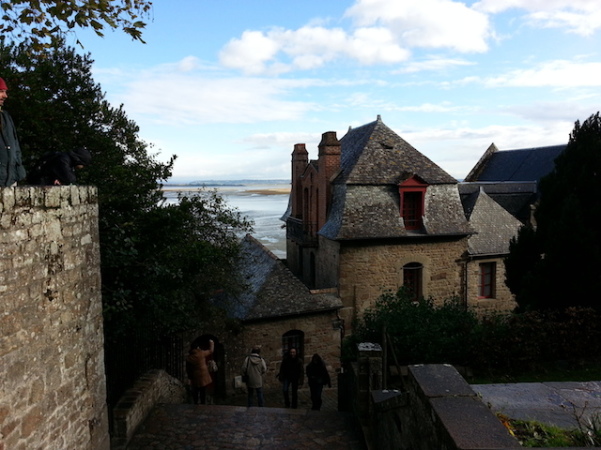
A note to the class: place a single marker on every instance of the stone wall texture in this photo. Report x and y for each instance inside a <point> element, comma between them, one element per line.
<point>367,271</point>
<point>53,390</point>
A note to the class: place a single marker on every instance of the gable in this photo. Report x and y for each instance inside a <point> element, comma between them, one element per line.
<point>271,290</point>
<point>494,226</point>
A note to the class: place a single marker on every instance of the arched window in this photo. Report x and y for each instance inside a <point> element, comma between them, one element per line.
<point>296,339</point>
<point>412,280</point>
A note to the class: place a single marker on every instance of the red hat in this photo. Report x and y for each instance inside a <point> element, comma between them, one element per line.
<point>3,86</point>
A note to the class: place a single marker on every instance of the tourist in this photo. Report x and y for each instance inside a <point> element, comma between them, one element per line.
<point>58,168</point>
<point>198,371</point>
<point>317,376</point>
<point>254,368</point>
<point>11,165</point>
<point>291,375</point>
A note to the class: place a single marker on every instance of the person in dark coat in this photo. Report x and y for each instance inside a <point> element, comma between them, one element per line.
<point>254,366</point>
<point>318,377</point>
<point>58,169</point>
<point>198,371</point>
<point>291,375</point>
<point>11,164</point>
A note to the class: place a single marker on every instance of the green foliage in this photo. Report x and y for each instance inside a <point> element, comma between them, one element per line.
<point>43,24</point>
<point>560,267</point>
<point>420,332</point>
<point>160,263</point>
<point>494,345</point>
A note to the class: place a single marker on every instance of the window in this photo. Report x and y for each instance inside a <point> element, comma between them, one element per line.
<point>412,192</point>
<point>487,280</point>
<point>412,280</point>
<point>296,339</point>
<point>412,210</point>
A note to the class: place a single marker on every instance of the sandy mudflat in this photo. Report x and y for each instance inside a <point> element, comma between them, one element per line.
<point>269,191</point>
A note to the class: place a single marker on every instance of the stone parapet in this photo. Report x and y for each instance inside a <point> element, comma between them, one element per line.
<point>53,390</point>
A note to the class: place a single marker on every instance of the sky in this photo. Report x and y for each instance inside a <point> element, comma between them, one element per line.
<point>230,86</point>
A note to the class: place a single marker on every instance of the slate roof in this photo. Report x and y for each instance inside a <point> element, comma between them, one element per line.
<point>514,197</point>
<point>528,164</point>
<point>494,226</point>
<point>272,291</point>
<point>365,195</point>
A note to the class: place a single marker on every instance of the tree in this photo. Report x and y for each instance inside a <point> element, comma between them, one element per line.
<point>564,262</point>
<point>160,262</point>
<point>44,23</point>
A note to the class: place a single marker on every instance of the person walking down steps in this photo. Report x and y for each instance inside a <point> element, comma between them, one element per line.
<point>254,368</point>
<point>318,377</point>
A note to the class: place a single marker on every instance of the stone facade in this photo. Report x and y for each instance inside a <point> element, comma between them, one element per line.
<point>53,390</point>
<point>346,224</point>
<point>320,336</point>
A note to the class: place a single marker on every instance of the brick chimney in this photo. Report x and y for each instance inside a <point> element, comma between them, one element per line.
<point>329,164</point>
<point>300,160</point>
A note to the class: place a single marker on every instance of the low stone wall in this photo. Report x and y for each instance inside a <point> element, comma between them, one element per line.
<point>52,381</point>
<point>156,386</point>
<point>437,409</point>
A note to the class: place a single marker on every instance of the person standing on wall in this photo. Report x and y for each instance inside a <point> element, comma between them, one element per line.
<point>291,375</point>
<point>254,368</point>
<point>198,371</point>
<point>11,165</point>
<point>318,376</point>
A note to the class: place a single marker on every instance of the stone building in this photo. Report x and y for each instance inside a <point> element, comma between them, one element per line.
<point>372,214</point>
<point>277,312</point>
<point>52,388</point>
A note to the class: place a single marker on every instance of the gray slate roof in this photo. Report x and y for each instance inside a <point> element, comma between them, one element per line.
<point>272,290</point>
<point>528,164</point>
<point>365,195</point>
<point>494,226</point>
<point>514,197</point>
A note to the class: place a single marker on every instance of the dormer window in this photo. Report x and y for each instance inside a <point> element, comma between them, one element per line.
<point>413,193</point>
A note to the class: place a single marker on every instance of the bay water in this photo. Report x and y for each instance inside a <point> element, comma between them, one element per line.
<point>263,202</point>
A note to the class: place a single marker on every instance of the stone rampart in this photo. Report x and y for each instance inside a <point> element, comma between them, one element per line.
<point>53,390</point>
<point>155,386</point>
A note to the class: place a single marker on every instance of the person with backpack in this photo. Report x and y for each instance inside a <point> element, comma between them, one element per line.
<point>58,168</point>
<point>254,368</point>
<point>11,165</point>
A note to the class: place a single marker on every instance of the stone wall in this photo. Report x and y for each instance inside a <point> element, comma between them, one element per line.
<point>319,337</point>
<point>436,409</point>
<point>366,271</point>
<point>503,299</point>
<point>155,386</point>
<point>53,391</point>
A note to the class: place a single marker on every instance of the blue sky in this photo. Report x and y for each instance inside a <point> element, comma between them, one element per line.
<point>231,86</point>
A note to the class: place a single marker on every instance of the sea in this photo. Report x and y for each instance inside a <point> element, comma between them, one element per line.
<point>262,201</point>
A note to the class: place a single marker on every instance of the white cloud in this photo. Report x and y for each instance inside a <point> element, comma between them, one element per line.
<point>558,74</point>
<point>198,99</point>
<point>433,64</point>
<point>307,48</point>
<point>383,32</point>
<point>581,17</point>
<point>426,23</point>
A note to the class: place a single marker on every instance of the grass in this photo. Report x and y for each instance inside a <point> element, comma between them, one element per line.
<point>535,434</point>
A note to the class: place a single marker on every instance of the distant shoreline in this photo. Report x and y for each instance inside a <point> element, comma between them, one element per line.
<point>264,191</point>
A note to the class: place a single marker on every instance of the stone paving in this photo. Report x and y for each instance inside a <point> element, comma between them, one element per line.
<point>192,427</point>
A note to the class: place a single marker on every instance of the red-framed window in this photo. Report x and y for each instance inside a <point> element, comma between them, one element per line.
<point>488,274</point>
<point>412,192</point>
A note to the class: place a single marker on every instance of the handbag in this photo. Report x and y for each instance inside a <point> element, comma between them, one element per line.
<point>238,384</point>
<point>245,374</point>
<point>213,367</point>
